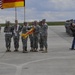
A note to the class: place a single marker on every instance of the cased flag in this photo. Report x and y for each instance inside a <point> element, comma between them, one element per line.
<point>13,3</point>
<point>28,33</point>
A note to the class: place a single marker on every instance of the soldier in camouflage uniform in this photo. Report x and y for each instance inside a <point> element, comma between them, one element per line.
<point>24,40</point>
<point>8,36</point>
<point>16,35</point>
<point>31,39</point>
<point>41,40</point>
<point>43,35</point>
<point>36,36</point>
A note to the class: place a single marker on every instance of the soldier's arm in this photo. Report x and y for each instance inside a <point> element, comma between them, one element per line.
<point>23,30</point>
<point>72,28</point>
<point>45,27</point>
<point>5,29</point>
<point>20,28</point>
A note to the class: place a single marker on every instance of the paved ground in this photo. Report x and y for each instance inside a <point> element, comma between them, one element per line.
<point>58,61</point>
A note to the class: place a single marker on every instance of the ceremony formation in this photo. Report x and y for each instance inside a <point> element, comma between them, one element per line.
<point>36,32</point>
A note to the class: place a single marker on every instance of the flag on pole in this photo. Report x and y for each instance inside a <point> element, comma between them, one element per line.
<point>13,3</point>
<point>28,33</point>
<point>0,4</point>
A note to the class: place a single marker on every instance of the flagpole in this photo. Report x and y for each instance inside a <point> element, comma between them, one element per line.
<point>24,10</point>
<point>15,13</point>
<point>24,13</point>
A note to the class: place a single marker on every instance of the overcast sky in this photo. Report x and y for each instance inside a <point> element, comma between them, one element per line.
<point>51,10</point>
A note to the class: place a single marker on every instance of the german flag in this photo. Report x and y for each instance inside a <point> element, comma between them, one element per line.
<point>13,3</point>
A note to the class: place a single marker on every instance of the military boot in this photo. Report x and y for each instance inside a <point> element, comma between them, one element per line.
<point>41,49</point>
<point>8,49</point>
<point>31,50</point>
<point>45,51</point>
<point>25,50</point>
<point>35,50</point>
<point>16,50</point>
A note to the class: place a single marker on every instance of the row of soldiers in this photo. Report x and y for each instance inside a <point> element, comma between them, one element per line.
<point>39,35</point>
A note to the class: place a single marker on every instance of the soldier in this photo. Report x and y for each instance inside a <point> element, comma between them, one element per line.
<point>24,40</point>
<point>8,36</point>
<point>16,35</point>
<point>31,39</point>
<point>41,40</point>
<point>43,34</point>
<point>36,36</point>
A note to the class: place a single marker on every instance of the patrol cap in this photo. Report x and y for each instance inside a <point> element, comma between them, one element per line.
<point>43,19</point>
<point>25,22</point>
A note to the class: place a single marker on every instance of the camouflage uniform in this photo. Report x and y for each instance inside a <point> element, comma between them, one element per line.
<point>8,36</point>
<point>31,40</point>
<point>36,37</point>
<point>16,36</point>
<point>43,36</point>
<point>40,40</point>
<point>24,40</point>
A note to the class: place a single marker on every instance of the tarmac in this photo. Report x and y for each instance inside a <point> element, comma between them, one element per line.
<point>58,61</point>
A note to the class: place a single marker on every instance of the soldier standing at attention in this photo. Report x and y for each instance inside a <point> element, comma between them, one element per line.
<point>8,36</point>
<point>36,36</point>
<point>24,40</point>
<point>41,37</point>
<point>44,34</point>
<point>31,39</point>
<point>16,35</point>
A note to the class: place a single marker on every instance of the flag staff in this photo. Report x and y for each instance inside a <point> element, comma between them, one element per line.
<point>24,10</point>
<point>24,13</point>
<point>15,13</point>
